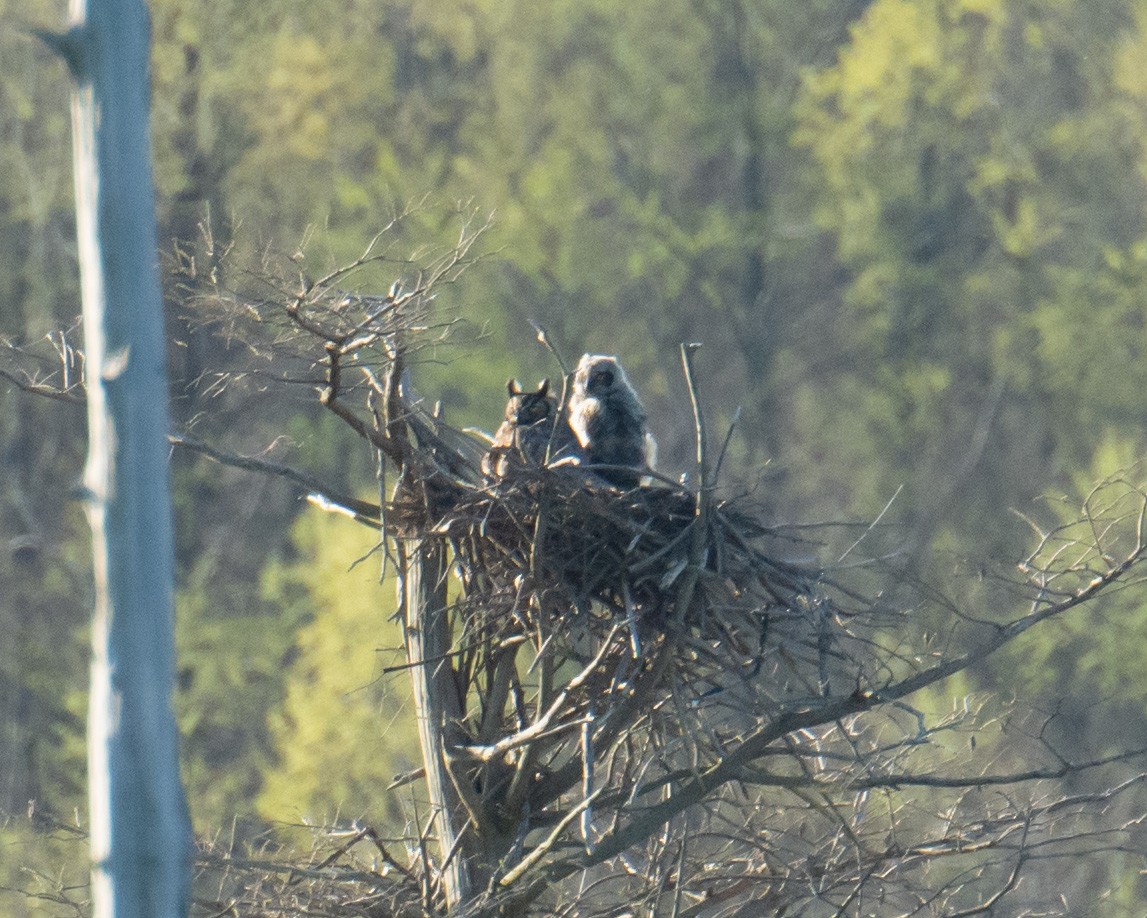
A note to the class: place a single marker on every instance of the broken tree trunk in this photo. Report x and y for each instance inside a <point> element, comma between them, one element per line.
<point>422,598</point>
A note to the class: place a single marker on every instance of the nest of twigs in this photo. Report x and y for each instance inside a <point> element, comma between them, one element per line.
<point>607,575</point>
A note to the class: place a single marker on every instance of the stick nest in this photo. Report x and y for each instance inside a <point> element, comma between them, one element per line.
<point>584,570</point>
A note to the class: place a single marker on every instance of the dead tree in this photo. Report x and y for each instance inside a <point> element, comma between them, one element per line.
<point>607,681</point>
<point>652,701</point>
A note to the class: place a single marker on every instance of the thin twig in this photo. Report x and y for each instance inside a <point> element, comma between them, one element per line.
<point>312,485</point>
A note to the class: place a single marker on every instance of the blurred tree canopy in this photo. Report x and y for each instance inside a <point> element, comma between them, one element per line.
<point>912,235</point>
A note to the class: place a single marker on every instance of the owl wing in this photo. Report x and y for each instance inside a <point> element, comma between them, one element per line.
<point>585,417</point>
<point>549,438</point>
<point>533,441</point>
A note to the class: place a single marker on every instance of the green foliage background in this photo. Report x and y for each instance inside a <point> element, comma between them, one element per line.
<point>912,235</point>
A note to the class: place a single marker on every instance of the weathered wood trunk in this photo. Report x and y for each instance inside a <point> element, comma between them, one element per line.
<point>140,834</point>
<point>422,595</point>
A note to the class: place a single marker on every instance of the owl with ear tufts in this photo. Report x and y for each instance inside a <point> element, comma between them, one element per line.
<point>609,421</point>
<point>532,433</point>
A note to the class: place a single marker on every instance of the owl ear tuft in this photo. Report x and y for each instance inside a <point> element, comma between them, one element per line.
<point>513,387</point>
<point>544,387</point>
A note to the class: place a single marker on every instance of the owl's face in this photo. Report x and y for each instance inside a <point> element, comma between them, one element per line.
<point>525,408</point>
<point>600,380</point>
<point>598,375</point>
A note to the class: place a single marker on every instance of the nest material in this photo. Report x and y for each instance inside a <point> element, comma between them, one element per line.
<point>602,564</point>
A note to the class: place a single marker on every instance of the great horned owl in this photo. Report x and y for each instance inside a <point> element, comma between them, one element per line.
<point>609,421</point>
<point>531,432</point>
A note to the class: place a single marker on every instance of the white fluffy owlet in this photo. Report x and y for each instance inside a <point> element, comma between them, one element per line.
<point>609,421</point>
<point>531,431</point>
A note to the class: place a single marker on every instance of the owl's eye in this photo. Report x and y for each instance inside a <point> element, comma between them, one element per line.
<point>603,378</point>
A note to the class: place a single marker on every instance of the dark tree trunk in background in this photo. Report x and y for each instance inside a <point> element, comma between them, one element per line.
<point>140,833</point>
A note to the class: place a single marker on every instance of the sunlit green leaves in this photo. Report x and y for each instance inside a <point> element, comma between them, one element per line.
<point>344,728</point>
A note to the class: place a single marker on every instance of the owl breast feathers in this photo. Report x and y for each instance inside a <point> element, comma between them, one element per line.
<point>609,421</point>
<point>531,434</point>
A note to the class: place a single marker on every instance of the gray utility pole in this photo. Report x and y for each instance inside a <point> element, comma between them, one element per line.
<point>140,834</point>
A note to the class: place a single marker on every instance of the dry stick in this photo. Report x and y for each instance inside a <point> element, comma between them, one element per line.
<point>857,888</point>
<point>499,689</point>
<point>545,341</point>
<point>990,903</point>
<point>818,800</point>
<point>57,393</point>
<point>362,511</point>
<point>295,314</point>
<point>455,848</point>
<point>725,444</point>
<point>329,398</point>
<point>687,352</point>
<point>758,742</point>
<point>339,852</point>
<point>323,285</point>
<point>380,429</point>
<point>875,522</point>
<point>515,797</point>
<point>388,857</point>
<point>631,620</point>
<point>543,848</point>
<point>471,799</point>
<point>545,670</point>
<point>367,257</point>
<point>714,896</point>
<point>704,493</point>
<point>587,789</point>
<point>541,726</point>
<point>956,781</point>
<point>612,724</point>
<point>311,484</point>
<point>291,870</point>
<point>429,882</point>
<point>406,777</point>
<point>435,660</point>
<point>679,885</point>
